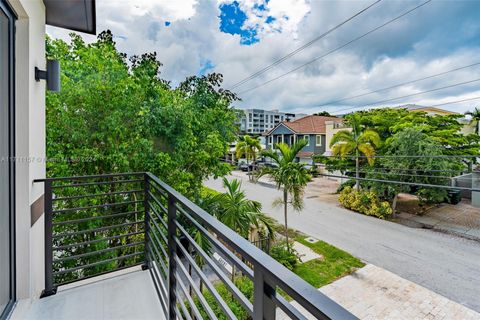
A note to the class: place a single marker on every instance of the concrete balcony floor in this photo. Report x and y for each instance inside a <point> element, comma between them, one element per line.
<point>128,294</point>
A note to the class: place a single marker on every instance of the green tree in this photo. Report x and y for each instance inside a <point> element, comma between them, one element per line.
<point>444,129</point>
<point>475,114</point>
<point>114,116</point>
<point>248,147</point>
<point>123,117</point>
<point>289,175</point>
<point>357,141</point>
<point>323,113</point>
<point>414,157</point>
<point>239,213</point>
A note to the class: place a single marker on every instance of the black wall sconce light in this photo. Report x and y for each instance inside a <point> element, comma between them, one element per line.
<point>52,75</point>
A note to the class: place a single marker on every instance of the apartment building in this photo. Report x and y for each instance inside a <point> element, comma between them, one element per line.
<point>259,121</point>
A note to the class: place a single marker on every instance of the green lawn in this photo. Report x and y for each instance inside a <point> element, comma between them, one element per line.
<point>335,264</point>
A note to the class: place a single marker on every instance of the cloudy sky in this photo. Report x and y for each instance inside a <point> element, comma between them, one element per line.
<point>239,38</point>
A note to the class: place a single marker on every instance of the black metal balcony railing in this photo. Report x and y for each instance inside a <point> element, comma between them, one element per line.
<point>104,223</point>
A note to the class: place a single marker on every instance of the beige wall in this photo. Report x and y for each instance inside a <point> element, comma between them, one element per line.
<point>330,131</point>
<point>30,143</point>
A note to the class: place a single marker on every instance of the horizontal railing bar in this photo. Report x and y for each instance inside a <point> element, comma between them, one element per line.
<point>200,296</point>
<point>75,233</point>
<point>310,298</point>
<point>161,282</point>
<point>107,175</point>
<point>98,206</point>
<point>287,307</point>
<point>78,244</point>
<point>188,297</point>
<point>223,305</point>
<point>164,238</point>
<point>87,184</point>
<point>93,195</point>
<point>162,207</point>
<point>162,192</point>
<point>215,267</point>
<point>92,253</point>
<point>184,308</point>
<point>221,247</point>
<point>115,215</point>
<point>160,257</point>
<point>178,313</point>
<point>86,266</point>
<point>97,274</point>
<point>155,214</point>
<point>163,301</point>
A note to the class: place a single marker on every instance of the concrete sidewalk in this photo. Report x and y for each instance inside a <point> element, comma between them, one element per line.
<point>375,293</point>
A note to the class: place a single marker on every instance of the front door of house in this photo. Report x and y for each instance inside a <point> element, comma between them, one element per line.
<point>7,250</point>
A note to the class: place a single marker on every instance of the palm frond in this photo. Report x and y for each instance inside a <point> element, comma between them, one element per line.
<point>342,136</point>
<point>369,151</point>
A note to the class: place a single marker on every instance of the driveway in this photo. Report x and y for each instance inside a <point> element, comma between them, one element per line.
<point>445,264</point>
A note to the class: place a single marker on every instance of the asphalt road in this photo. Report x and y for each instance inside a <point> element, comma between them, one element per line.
<point>445,264</point>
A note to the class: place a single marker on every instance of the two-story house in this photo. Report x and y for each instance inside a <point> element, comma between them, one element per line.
<point>310,128</point>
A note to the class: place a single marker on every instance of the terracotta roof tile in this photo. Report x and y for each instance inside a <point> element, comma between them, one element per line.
<point>309,124</point>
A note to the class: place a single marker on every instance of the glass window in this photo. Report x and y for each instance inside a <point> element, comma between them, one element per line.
<point>7,295</point>
<point>318,140</point>
<point>307,137</point>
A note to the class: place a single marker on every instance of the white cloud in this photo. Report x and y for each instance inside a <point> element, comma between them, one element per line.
<point>415,47</point>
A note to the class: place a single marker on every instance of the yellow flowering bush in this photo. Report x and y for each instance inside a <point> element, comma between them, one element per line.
<point>366,202</point>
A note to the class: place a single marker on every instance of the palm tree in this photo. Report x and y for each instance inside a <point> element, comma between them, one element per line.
<point>239,213</point>
<point>249,147</point>
<point>475,114</point>
<point>358,141</point>
<point>290,175</point>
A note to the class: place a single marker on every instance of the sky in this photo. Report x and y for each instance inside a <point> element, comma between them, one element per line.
<point>239,38</point>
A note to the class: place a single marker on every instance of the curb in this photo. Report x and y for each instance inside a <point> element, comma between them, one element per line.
<point>420,225</point>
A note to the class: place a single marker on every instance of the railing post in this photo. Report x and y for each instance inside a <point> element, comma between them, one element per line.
<point>263,306</point>
<point>172,253</point>
<point>146,207</point>
<point>49,288</point>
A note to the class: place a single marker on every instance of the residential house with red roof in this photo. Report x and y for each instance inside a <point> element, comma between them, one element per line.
<point>311,128</point>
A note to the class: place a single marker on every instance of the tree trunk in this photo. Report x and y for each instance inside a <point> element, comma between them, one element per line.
<point>248,170</point>
<point>285,204</point>
<point>394,205</point>
<point>253,168</point>
<point>357,173</point>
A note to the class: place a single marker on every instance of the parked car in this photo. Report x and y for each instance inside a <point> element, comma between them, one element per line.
<point>247,167</point>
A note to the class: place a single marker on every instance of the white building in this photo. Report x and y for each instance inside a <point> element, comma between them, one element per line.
<point>259,121</point>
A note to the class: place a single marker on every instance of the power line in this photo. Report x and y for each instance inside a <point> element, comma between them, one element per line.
<point>294,52</point>
<point>410,156</point>
<point>338,48</point>
<point>398,85</point>
<point>411,95</point>
<point>457,101</point>
<point>427,185</point>
<point>408,170</point>
<point>400,174</point>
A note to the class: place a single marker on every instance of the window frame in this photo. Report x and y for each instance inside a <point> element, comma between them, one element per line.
<point>11,16</point>
<point>316,140</point>
<point>307,137</point>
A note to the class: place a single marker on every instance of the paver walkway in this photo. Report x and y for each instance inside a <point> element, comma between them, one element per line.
<point>375,293</point>
<point>462,219</point>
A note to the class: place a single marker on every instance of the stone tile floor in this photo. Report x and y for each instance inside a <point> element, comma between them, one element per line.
<point>128,296</point>
<point>374,293</point>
